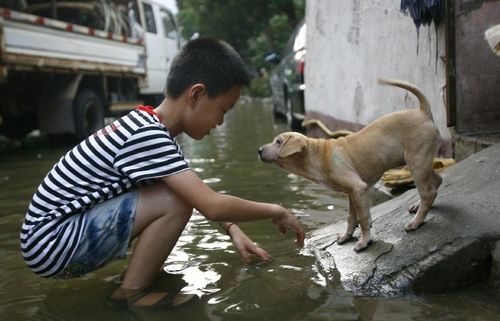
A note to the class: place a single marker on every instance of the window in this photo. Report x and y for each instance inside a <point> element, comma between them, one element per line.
<point>150,18</point>
<point>300,40</point>
<point>169,24</point>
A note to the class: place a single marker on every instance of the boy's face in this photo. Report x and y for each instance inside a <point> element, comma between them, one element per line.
<point>208,113</point>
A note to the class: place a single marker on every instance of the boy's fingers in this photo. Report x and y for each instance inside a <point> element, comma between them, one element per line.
<point>261,253</point>
<point>300,237</point>
<point>295,226</point>
<point>299,233</point>
<point>245,256</point>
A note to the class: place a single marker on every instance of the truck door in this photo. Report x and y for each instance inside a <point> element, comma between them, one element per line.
<point>171,39</point>
<point>162,43</point>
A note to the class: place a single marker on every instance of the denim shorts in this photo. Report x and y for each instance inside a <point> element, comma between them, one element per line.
<point>106,233</point>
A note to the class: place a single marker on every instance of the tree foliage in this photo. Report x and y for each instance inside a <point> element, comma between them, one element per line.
<point>252,27</point>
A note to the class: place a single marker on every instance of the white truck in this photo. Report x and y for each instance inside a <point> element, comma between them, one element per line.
<point>66,65</point>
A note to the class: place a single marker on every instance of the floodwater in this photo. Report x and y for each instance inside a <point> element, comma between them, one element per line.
<point>290,287</point>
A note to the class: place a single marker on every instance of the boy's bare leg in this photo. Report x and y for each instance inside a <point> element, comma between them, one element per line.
<point>159,221</point>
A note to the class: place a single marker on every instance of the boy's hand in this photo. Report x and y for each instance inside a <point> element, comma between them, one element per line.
<point>245,246</point>
<point>288,221</point>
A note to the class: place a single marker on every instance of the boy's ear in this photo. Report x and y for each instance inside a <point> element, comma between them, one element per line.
<point>195,91</point>
<point>292,145</point>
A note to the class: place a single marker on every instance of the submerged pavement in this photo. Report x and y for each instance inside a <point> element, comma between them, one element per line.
<point>453,248</point>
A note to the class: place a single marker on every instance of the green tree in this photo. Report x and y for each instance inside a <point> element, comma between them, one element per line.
<point>252,27</point>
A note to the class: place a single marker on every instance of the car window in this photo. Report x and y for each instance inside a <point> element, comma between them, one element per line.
<point>300,40</point>
<point>291,40</point>
<point>290,45</point>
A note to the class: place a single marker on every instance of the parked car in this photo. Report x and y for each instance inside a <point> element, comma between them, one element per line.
<point>287,78</point>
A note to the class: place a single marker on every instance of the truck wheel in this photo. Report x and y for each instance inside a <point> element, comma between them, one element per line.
<point>88,113</point>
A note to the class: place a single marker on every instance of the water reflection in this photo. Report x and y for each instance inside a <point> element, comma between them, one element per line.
<point>289,287</point>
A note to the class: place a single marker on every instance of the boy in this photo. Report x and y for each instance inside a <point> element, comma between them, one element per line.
<point>130,180</point>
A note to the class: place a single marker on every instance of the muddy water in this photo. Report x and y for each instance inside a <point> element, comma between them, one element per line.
<point>290,287</point>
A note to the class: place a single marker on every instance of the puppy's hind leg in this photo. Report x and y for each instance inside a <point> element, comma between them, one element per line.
<point>352,222</point>
<point>413,208</point>
<point>427,182</point>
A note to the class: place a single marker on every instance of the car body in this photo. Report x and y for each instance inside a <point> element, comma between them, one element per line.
<point>287,78</point>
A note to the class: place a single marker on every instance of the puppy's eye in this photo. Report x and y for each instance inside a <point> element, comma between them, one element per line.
<point>279,141</point>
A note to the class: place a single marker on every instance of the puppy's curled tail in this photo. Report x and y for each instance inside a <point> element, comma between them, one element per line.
<point>425,107</point>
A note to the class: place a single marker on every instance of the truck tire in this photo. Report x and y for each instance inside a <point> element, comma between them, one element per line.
<point>88,113</point>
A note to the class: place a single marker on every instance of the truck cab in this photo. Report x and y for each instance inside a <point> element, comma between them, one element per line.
<point>162,41</point>
<point>66,65</point>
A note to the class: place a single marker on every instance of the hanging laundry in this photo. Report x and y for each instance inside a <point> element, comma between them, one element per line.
<point>423,12</point>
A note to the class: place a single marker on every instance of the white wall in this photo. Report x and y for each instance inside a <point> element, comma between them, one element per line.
<point>351,43</point>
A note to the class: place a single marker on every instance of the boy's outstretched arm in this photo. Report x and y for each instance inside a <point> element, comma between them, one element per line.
<point>221,207</point>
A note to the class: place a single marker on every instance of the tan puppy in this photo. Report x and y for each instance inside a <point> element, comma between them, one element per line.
<point>354,163</point>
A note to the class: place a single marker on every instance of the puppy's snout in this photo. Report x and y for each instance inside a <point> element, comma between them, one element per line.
<point>265,154</point>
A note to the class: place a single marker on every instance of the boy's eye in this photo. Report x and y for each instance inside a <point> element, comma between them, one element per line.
<point>279,141</point>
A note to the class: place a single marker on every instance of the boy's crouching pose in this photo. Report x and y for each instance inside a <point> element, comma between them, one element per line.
<point>129,180</point>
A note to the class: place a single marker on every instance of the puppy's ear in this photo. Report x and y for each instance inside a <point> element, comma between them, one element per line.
<point>292,145</point>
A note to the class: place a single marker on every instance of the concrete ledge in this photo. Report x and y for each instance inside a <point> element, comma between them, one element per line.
<point>453,248</point>
<point>468,145</point>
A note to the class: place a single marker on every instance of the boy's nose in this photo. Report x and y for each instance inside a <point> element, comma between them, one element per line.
<point>260,151</point>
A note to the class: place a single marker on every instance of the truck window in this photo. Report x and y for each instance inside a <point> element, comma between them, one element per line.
<point>169,25</point>
<point>150,17</point>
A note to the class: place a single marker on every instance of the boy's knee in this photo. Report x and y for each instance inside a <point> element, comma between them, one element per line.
<point>175,204</point>
<point>182,207</point>
<point>159,198</point>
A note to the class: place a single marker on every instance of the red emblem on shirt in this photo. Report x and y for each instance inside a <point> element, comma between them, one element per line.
<point>107,130</point>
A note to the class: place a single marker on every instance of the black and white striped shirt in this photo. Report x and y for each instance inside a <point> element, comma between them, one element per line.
<point>133,150</point>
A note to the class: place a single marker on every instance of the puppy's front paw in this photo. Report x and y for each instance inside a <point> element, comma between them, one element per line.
<point>341,239</point>
<point>414,207</point>
<point>413,225</point>
<point>362,245</point>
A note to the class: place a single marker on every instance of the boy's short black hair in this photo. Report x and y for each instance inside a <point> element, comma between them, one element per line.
<point>211,62</point>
